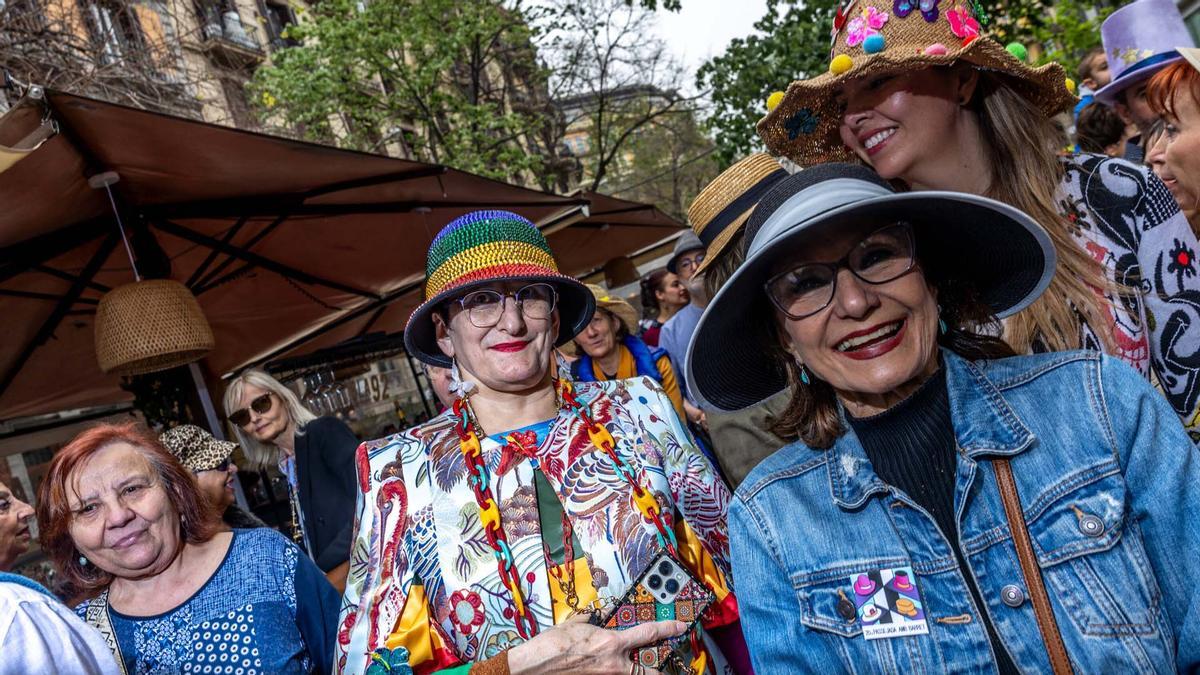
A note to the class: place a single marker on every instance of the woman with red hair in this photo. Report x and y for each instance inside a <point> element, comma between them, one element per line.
<point>121,516</point>
<point>1174,93</point>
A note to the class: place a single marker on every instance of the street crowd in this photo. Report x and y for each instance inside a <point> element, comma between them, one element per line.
<point>918,392</point>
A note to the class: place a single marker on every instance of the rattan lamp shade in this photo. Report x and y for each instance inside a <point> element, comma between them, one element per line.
<point>148,326</point>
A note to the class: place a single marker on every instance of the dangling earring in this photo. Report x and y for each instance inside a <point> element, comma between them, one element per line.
<point>941,322</point>
<point>83,562</point>
<point>804,375</point>
<point>561,365</point>
<point>459,387</point>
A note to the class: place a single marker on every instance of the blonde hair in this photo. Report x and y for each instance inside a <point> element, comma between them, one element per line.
<point>1026,173</point>
<point>260,454</point>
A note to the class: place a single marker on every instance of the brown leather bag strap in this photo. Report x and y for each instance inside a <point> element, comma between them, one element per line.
<point>1030,569</point>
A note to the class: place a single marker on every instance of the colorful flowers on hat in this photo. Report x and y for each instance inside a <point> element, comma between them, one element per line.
<point>864,25</point>
<point>929,8</point>
<point>962,24</point>
<point>803,122</point>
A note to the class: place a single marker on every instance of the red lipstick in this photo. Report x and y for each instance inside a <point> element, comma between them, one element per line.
<point>509,347</point>
<point>874,349</point>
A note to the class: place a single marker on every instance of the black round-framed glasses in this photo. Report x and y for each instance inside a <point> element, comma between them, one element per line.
<point>882,256</point>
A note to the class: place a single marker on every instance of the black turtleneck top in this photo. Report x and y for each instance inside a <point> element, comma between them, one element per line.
<point>912,447</point>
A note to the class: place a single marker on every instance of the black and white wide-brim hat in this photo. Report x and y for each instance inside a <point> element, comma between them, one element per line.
<point>1002,251</point>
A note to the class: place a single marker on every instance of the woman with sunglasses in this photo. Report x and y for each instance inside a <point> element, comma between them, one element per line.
<point>944,509</point>
<point>315,454</point>
<point>211,462</point>
<point>489,535</point>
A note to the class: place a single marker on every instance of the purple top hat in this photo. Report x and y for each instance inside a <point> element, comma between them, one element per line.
<point>1139,40</point>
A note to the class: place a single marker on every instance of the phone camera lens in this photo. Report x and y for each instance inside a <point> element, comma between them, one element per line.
<point>664,568</point>
<point>654,582</point>
<point>672,586</point>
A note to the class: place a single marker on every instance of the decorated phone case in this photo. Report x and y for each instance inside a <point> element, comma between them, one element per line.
<point>665,591</point>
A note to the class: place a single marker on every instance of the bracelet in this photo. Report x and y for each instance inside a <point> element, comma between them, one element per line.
<point>497,665</point>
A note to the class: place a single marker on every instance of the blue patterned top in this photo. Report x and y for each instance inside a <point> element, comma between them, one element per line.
<point>267,609</point>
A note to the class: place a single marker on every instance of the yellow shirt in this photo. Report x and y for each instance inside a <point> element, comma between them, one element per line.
<point>626,369</point>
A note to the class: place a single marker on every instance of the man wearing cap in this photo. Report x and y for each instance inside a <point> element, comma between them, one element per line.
<point>210,460</point>
<point>1139,40</point>
<point>677,331</point>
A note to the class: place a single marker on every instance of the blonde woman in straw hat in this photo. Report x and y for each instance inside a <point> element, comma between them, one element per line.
<point>718,215</point>
<point>917,92</point>
<point>612,352</point>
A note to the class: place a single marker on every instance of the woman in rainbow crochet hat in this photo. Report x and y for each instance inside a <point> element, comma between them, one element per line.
<point>502,535</point>
<point>918,91</point>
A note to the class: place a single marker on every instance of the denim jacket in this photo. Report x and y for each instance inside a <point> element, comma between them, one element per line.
<point>1087,437</point>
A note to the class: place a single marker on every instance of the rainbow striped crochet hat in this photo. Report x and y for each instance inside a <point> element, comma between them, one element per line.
<point>483,247</point>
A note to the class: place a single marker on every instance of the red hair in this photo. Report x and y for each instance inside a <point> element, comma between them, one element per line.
<point>1170,82</point>
<point>54,512</point>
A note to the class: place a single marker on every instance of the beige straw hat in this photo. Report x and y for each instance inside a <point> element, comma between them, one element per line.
<point>718,213</point>
<point>878,37</point>
<point>619,308</point>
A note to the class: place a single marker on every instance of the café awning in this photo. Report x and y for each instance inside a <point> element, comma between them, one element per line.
<point>289,246</point>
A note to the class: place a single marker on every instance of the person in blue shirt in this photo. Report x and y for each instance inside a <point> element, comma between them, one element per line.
<point>949,507</point>
<point>676,333</point>
<point>120,515</point>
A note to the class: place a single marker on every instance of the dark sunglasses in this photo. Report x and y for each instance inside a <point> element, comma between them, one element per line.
<point>222,467</point>
<point>260,405</point>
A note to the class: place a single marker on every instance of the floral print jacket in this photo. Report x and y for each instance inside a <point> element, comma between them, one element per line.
<point>423,580</point>
<point>1125,217</point>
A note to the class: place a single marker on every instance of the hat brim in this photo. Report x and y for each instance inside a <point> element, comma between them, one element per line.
<point>576,304</point>
<point>721,241</point>
<point>624,312</point>
<point>804,127</point>
<point>1192,54</point>
<point>1108,93</point>
<point>1009,257</point>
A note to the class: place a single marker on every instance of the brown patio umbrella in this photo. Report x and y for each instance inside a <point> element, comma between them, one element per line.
<point>287,245</point>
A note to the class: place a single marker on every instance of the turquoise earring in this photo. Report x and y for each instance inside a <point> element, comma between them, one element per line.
<point>804,375</point>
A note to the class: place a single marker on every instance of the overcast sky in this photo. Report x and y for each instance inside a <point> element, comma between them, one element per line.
<point>703,28</point>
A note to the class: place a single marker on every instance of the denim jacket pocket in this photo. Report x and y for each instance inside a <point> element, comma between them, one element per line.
<point>821,594</point>
<point>1092,557</point>
<point>819,609</point>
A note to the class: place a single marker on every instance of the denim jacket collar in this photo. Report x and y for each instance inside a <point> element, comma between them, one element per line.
<point>984,424</point>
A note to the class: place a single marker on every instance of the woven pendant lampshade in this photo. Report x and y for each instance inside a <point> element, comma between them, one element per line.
<point>149,326</point>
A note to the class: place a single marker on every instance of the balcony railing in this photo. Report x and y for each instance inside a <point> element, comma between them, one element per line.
<point>226,38</point>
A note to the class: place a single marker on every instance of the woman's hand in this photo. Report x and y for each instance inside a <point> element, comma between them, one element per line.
<point>576,646</point>
<point>695,415</point>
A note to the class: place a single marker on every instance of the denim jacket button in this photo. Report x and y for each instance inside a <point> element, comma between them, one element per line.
<point>1091,526</point>
<point>846,609</point>
<point>1012,595</point>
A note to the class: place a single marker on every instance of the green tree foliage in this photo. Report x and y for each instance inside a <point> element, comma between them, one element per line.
<point>1063,31</point>
<point>792,42</point>
<point>451,82</point>
<point>613,80</point>
<point>667,163</point>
